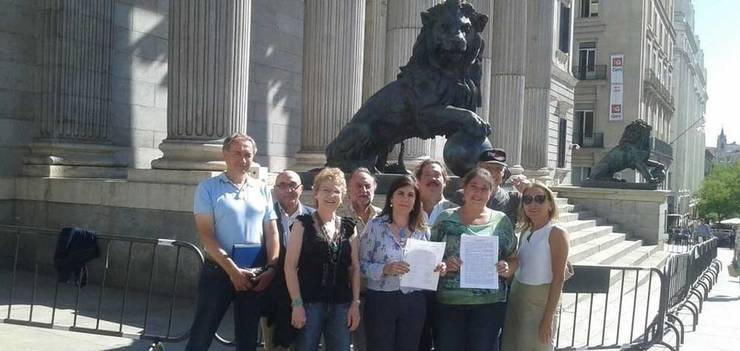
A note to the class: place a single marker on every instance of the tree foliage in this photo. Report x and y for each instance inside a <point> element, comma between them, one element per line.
<point>719,196</point>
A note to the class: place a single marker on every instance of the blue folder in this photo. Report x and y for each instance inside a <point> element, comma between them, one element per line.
<point>248,255</point>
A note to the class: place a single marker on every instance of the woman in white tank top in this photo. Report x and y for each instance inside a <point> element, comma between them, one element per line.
<point>538,282</point>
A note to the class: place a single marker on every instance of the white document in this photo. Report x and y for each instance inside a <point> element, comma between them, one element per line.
<point>479,255</point>
<point>422,257</point>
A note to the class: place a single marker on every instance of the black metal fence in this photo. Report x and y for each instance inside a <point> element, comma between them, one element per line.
<point>139,288</point>
<point>692,275</point>
<point>612,307</point>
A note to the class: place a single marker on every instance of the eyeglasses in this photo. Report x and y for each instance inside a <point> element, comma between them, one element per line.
<point>288,186</point>
<point>539,199</point>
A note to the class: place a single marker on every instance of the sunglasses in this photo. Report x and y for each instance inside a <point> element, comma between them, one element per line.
<point>539,199</point>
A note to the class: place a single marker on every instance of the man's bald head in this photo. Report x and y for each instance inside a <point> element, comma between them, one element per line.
<point>288,190</point>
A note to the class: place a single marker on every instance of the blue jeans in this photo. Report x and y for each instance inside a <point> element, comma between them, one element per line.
<point>328,319</point>
<point>215,294</point>
<point>468,327</point>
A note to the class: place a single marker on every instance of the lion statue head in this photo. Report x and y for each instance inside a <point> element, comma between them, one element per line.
<point>637,134</point>
<point>450,40</point>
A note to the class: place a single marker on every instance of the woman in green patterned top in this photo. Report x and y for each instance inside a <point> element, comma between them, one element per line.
<point>471,319</point>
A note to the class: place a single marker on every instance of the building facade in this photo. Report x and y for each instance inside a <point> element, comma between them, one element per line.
<point>690,92</point>
<point>112,110</point>
<point>625,70</point>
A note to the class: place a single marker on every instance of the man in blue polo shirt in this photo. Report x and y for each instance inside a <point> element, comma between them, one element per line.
<point>232,208</point>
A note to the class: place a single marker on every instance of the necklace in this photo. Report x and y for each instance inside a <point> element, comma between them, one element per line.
<point>239,188</point>
<point>331,239</point>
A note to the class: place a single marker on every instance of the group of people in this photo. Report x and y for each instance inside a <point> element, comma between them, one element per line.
<point>332,273</point>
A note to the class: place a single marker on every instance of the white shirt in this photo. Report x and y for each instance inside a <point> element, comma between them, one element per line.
<point>438,208</point>
<point>535,265</point>
<point>287,221</point>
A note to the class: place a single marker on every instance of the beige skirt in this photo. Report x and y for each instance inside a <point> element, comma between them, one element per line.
<point>524,312</point>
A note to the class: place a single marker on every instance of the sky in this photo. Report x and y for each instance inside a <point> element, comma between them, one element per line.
<point>716,25</point>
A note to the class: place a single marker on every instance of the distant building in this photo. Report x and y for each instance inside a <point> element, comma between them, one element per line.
<point>726,153</point>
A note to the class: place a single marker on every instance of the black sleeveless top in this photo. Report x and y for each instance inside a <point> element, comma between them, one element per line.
<point>324,267</point>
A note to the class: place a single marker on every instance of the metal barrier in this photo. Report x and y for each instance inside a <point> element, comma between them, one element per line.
<point>613,307</point>
<point>133,290</point>
<point>692,275</point>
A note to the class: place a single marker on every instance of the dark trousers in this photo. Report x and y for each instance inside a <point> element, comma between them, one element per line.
<point>394,320</point>
<point>468,327</point>
<point>215,294</point>
<point>427,339</point>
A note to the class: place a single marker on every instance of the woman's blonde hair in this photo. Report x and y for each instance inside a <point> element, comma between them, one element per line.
<point>330,174</point>
<point>523,222</point>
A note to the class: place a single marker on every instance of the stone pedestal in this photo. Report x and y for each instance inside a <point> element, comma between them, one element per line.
<point>509,46</point>
<point>332,73</point>
<point>641,213</point>
<point>207,81</point>
<point>72,136</point>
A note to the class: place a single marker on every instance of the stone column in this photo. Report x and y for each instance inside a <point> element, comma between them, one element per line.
<point>373,66</point>
<point>535,137</point>
<point>486,7</point>
<point>72,136</point>
<point>509,49</point>
<point>207,82</point>
<point>332,73</point>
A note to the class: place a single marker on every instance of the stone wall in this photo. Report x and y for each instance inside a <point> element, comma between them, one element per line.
<point>18,78</point>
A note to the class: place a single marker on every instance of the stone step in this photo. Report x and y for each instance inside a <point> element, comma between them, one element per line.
<point>564,208</point>
<point>568,217</point>
<point>612,254</point>
<point>588,234</point>
<point>581,251</point>
<point>561,201</point>
<point>574,226</point>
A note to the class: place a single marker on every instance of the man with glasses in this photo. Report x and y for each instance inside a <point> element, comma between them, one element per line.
<point>276,323</point>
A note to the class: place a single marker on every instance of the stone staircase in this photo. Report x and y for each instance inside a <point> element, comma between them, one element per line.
<point>595,242</point>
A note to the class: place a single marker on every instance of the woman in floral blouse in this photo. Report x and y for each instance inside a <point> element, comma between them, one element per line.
<point>394,315</point>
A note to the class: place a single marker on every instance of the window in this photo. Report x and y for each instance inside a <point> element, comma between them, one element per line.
<point>589,8</point>
<point>586,56</point>
<point>583,127</point>
<point>562,130</point>
<point>564,37</point>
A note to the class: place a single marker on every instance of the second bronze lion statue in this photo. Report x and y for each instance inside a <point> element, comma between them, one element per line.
<point>632,152</point>
<point>436,93</point>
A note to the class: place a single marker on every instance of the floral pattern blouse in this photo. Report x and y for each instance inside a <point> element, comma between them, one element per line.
<point>379,247</point>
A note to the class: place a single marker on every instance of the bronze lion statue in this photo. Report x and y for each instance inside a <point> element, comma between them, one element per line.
<point>632,152</point>
<point>436,93</point>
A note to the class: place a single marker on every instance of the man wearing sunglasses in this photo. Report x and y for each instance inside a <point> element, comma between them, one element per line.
<point>494,161</point>
<point>288,207</point>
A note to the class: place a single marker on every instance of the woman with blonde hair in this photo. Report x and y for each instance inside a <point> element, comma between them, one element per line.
<point>322,270</point>
<point>531,319</point>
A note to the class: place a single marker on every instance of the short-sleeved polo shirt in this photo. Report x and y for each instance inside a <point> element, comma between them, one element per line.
<point>238,215</point>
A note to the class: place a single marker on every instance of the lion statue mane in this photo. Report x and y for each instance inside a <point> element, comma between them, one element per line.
<point>633,151</point>
<point>436,93</point>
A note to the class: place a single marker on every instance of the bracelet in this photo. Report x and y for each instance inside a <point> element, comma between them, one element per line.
<point>357,301</point>
<point>296,302</point>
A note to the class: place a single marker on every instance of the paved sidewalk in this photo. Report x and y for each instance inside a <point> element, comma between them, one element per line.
<point>719,321</point>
